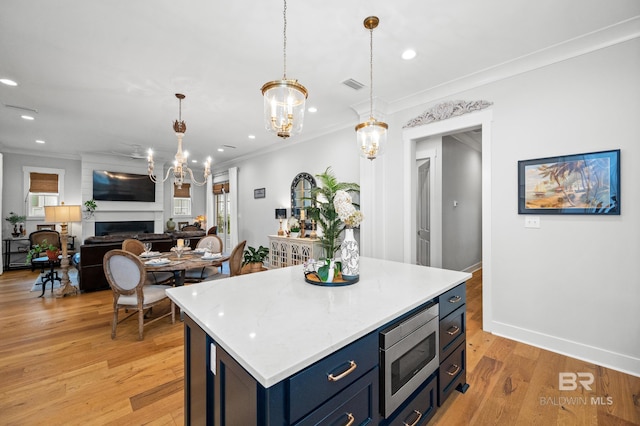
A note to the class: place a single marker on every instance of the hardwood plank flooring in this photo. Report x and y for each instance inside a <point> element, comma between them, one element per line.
<point>59,366</point>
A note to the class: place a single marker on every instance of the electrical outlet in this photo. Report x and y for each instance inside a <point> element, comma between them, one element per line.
<point>532,222</point>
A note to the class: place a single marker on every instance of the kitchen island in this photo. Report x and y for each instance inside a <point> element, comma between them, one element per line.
<point>250,335</point>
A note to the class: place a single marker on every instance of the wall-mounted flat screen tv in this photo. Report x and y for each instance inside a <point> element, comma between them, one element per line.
<point>118,186</point>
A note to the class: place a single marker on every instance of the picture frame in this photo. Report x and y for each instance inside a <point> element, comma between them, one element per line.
<point>585,184</point>
<point>182,225</point>
<point>259,193</point>
<point>46,227</point>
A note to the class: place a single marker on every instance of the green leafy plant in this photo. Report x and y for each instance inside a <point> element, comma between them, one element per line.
<point>324,212</point>
<point>323,271</point>
<point>252,255</point>
<point>90,205</point>
<point>14,218</point>
<point>36,249</point>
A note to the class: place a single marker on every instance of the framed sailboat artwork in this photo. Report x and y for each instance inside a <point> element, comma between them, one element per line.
<point>570,184</point>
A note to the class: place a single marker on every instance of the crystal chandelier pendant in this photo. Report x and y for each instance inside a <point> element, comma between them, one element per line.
<point>371,135</point>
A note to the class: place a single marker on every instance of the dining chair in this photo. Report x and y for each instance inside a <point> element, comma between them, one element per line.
<point>154,277</point>
<point>214,244</point>
<point>235,260</point>
<point>126,276</point>
<point>212,231</point>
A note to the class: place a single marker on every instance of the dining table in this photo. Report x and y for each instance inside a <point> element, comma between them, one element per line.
<point>178,265</point>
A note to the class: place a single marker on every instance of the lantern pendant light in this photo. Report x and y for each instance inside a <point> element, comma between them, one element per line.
<point>371,134</point>
<point>284,100</point>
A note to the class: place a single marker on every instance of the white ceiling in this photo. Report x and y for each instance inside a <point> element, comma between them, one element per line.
<point>102,74</point>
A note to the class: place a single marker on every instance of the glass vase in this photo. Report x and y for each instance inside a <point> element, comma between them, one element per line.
<point>350,255</point>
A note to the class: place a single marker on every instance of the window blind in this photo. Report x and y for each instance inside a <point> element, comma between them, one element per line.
<point>183,192</point>
<point>222,187</point>
<point>43,183</point>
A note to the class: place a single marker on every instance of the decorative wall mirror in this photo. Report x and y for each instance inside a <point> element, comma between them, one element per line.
<point>301,193</point>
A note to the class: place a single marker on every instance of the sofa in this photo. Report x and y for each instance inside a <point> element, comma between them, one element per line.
<point>89,263</point>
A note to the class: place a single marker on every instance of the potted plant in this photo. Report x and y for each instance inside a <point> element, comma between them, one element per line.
<point>90,206</point>
<point>43,247</point>
<point>15,219</point>
<point>324,212</point>
<point>255,257</point>
<point>294,226</point>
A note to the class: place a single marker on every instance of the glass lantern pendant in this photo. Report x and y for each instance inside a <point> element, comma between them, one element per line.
<point>284,100</point>
<point>372,134</point>
<point>284,105</point>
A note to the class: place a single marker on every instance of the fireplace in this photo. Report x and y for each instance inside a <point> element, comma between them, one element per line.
<point>129,227</point>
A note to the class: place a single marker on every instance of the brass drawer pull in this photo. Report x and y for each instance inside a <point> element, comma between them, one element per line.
<point>350,419</point>
<point>453,330</point>
<point>456,369</point>
<point>455,299</point>
<point>416,420</point>
<point>352,367</point>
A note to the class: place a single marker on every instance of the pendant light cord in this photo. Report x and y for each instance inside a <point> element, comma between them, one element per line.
<point>284,48</point>
<point>371,73</point>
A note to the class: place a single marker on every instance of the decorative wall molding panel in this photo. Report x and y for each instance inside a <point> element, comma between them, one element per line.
<point>445,110</point>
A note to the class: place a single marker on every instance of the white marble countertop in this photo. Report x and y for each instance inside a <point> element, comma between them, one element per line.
<point>276,324</point>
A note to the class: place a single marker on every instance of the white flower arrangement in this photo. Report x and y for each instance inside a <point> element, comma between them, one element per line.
<point>346,210</point>
<point>293,224</point>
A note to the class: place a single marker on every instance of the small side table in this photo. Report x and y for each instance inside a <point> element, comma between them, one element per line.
<point>45,263</point>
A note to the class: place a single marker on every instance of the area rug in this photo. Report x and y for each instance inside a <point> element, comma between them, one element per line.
<point>73,277</point>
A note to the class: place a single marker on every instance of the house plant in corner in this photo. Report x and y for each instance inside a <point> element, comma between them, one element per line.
<point>255,257</point>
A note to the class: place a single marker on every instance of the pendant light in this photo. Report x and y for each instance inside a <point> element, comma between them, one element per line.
<point>284,100</point>
<point>371,134</point>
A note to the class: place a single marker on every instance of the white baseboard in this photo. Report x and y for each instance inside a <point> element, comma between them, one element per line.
<point>473,268</point>
<point>616,361</point>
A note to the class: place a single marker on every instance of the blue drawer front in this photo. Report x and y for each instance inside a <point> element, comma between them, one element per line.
<point>311,387</point>
<point>452,300</point>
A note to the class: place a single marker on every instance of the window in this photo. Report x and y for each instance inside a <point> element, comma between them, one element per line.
<point>44,189</point>
<point>182,200</point>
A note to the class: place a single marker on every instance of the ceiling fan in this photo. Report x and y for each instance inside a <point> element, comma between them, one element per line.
<point>136,154</point>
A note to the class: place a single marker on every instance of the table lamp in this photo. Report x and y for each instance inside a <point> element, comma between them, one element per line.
<point>63,214</point>
<point>281,214</point>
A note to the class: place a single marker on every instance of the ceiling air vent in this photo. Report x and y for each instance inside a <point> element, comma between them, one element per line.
<point>229,146</point>
<point>354,84</point>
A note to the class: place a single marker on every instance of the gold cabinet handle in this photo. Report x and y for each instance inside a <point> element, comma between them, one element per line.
<point>350,419</point>
<point>415,422</point>
<point>455,299</point>
<point>352,367</point>
<point>456,369</point>
<point>453,330</point>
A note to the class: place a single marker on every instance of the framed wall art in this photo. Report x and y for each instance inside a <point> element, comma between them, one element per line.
<point>259,193</point>
<point>570,184</point>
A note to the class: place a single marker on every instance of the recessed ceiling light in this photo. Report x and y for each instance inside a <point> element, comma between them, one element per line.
<point>409,54</point>
<point>252,136</point>
<point>27,117</point>
<point>8,82</point>
<point>194,161</point>
<point>39,141</point>
<point>220,149</point>
<point>312,109</point>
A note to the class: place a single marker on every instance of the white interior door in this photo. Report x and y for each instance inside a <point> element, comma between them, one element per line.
<point>423,216</point>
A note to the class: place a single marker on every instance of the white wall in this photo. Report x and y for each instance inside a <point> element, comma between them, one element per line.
<point>570,286</point>
<point>276,170</point>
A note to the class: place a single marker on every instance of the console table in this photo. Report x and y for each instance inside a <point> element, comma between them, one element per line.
<point>288,251</point>
<point>15,253</point>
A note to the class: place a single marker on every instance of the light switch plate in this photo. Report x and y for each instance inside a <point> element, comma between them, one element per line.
<point>532,222</point>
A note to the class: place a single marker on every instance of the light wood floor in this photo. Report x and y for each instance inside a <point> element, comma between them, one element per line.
<point>58,365</point>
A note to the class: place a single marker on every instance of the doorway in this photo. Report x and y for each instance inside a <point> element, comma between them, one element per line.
<point>423,213</point>
<point>411,138</point>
